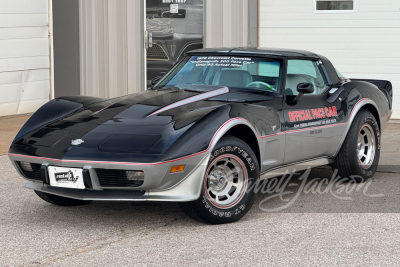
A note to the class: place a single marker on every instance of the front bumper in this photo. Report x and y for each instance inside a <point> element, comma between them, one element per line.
<point>159,184</point>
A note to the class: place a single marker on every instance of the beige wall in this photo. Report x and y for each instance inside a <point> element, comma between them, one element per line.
<point>111,36</point>
<point>226,23</point>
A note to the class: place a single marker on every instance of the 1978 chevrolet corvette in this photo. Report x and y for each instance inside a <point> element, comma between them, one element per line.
<point>216,123</point>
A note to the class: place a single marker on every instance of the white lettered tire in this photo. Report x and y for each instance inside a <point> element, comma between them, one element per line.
<point>232,169</point>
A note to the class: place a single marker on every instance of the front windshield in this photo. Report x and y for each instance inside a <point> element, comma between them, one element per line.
<point>231,71</point>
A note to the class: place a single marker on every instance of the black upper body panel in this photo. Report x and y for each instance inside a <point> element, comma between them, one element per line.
<point>155,125</point>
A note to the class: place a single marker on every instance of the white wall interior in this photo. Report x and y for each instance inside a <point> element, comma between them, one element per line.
<point>24,56</point>
<point>364,44</point>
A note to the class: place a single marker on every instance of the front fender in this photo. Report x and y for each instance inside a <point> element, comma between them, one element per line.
<point>52,110</point>
<point>205,134</point>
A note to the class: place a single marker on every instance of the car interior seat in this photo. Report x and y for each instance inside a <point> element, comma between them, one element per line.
<point>232,78</point>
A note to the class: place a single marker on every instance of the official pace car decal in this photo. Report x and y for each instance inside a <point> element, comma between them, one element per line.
<point>313,117</point>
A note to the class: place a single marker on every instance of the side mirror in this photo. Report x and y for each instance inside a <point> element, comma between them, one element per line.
<point>303,88</point>
<point>155,80</point>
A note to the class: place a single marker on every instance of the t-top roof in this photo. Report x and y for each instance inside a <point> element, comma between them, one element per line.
<point>257,51</point>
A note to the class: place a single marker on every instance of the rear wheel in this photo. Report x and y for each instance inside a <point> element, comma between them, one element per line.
<point>224,198</point>
<point>358,157</point>
<point>61,201</point>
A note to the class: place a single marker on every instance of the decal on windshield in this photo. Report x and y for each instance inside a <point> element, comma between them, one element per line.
<point>215,61</point>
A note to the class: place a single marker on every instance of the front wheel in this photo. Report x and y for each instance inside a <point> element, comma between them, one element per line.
<point>358,157</point>
<point>225,198</point>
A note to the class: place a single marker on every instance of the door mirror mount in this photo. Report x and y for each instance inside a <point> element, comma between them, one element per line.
<point>303,88</point>
<point>155,80</point>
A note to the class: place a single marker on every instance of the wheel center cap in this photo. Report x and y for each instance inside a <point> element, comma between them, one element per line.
<point>218,180</point>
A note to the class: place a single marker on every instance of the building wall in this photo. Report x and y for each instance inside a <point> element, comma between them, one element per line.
<point>364,44</point>
<point>112,45</point>
<point>24,56</point>
<point>226,23</point>
<point>66,63</point>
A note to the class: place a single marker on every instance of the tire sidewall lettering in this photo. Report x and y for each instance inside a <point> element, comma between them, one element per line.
<point>248,163</point>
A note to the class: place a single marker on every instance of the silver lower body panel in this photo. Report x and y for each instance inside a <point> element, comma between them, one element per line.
<point>159,185</point>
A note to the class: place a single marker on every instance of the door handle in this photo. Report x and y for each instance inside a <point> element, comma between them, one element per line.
<point>148,39</point>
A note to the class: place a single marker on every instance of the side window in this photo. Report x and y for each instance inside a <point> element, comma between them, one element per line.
<point>304,71</point>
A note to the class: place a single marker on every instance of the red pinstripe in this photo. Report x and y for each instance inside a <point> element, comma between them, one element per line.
<point>198,153</point>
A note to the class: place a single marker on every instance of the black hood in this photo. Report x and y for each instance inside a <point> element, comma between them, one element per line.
<point>144,124</point>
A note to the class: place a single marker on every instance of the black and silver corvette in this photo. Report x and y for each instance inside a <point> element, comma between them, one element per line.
<point>216,123</point>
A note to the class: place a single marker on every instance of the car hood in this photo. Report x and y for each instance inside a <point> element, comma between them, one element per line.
<point>154,119</point>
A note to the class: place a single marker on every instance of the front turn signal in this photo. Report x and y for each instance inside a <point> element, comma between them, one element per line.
<point>178,168</point>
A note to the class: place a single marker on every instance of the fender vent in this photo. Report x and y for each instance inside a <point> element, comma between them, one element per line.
<point>156,53</point>
<point>116,178</point>
<point>30,170</point>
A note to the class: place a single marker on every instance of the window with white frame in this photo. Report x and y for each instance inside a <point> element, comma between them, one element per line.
<point>338,6</point>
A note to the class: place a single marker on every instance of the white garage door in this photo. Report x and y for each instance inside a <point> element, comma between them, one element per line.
<point>24,56</point>
<point>361,44</point>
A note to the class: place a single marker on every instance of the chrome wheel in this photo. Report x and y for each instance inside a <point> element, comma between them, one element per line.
<point>366,146</point>
<point>226,181</point>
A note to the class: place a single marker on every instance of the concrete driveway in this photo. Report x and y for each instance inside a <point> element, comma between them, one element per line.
<point>357,227</point>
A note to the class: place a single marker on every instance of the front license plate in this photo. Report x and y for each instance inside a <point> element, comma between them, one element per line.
<point>66,177</point>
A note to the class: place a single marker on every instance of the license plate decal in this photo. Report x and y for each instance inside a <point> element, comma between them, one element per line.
<point>66,177</point>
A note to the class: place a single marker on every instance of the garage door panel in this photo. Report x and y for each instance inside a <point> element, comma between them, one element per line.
<point>318,29</point>
<point>22,48</point>
<point>300,16</point>
<point>23,20</point>
<point>301,37</point>
<point>24,6</point>
<point>330,23</point>
<point>356,61</point>
<point>24,63</point>
<point>23,33</point>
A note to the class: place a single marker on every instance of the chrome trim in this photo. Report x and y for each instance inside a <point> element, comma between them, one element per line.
<point>297,166</point>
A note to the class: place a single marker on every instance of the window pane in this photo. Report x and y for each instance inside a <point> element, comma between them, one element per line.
<point>334,5</point>
<point>304,71</point>
<point>297,66</point>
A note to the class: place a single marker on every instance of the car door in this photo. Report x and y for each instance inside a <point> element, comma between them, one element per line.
<point>313,125</point>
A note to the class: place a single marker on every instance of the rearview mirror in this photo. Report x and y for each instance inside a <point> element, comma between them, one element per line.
<point>303,88</point>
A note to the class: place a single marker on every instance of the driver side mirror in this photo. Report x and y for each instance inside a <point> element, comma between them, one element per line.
<point>155,80</point>
<point>303,88</point>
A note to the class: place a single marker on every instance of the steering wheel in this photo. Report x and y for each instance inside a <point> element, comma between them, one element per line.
<point>260,85</point>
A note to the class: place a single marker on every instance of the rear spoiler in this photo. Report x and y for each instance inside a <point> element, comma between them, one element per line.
<point>384,86</point>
